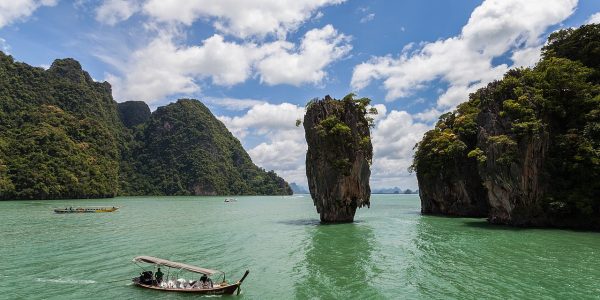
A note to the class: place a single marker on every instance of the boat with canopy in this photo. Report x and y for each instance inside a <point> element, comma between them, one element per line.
<point>211,282</point>
<point>91,209</point>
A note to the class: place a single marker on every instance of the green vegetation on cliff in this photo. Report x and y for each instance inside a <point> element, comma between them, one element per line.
<point>63,136</point>
<point>339,155</point>
<point>184,150</point>
<point>454,135</point>
<point>535,136</point>
<point>133,113</point>
<point>336,133</point>
<point>59,133</point>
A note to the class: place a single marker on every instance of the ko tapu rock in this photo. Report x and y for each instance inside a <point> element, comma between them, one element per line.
<point>339,156</point>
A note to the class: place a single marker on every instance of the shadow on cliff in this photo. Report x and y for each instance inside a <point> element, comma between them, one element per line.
<point>338,263</point>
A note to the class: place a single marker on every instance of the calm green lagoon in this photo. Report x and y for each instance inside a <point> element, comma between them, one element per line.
<point>390,252</point>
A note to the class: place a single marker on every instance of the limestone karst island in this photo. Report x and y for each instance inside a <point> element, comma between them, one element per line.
<point>315,149</point>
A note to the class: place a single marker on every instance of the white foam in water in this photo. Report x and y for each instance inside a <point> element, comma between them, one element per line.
<point>66,281</point>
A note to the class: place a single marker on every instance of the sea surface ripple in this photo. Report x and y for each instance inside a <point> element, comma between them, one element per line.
<point>390,252</point>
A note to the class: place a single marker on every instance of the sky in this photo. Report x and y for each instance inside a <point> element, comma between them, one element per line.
<point>256,64</point>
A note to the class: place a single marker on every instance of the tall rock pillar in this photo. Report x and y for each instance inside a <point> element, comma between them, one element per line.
<point>339,156</point>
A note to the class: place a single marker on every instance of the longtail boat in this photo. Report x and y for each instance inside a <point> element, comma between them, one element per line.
<point>70,210</point>
<point>171,281</point>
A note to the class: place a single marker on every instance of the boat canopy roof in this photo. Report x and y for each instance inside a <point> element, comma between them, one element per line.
<point>172,264</point>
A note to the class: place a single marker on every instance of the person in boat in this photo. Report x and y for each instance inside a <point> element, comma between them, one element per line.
<point>205,282</point>
<point>146,277</point>
<point>158,276</point>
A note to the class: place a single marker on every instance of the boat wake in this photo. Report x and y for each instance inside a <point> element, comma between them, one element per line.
<point>66,281</point>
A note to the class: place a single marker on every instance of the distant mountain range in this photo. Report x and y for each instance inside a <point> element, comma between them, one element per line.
<point>394,190</point>
<point>298,189</point>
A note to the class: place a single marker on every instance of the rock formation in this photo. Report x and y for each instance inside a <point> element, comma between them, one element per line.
<point>339,156</point>
<point>512,171</point>
<point>185,150</point>
<point>448,180</point>
<point>63,136</point>
<point>527,146</point>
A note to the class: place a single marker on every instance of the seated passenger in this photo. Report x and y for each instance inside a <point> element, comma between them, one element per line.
<point>171,284</point>
<point>205,282</point>
<point>182,283</point>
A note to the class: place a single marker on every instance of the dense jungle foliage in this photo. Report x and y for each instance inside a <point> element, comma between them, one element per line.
<point>63,136</point>
<point>557,101</point>
<point>184,150</point>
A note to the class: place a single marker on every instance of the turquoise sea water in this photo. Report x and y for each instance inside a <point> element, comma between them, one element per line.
<point>390,252</point>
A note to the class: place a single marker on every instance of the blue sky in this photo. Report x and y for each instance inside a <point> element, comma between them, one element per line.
<point>256,63</point>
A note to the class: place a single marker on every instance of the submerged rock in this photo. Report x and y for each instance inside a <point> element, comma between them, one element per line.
<point>339,156</point>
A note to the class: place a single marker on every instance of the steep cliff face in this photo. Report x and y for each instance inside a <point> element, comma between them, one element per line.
<point>542,163</point>
<point>184,150</point>
<point>512,171</point>
<point>461,195</point>
<point>339,156</point>
<point>449,183</point>
<point>537,142</point>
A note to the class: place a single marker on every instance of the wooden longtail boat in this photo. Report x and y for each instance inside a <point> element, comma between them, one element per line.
<point>147,280</point>
<point>85,210</point>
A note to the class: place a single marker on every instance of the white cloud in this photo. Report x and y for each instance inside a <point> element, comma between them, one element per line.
<point>318,16</point>
<point>595,18</point>
<point>428,115</point>
<point>17,10</point>
<point>367,18</point>
<point>393,140</point>
<point>265,119</point>
<point>114,11</point>
<point>284,148</point>
<point>465,61</point>
<point>279,155</point>
<point>239,18</point>
<point>165,67</point>
<point>527,57</point>
<point>233,103</point>
<point>381,112</point>
<point>318,48</point>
